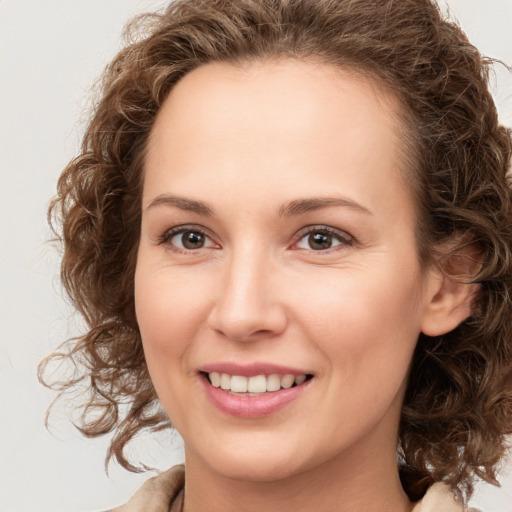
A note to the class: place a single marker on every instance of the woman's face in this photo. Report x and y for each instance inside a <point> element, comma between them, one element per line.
<point>278,246</point>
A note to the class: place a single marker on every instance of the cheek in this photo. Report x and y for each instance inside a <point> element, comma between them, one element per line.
<point>365,321</point>
<point>168,313</point>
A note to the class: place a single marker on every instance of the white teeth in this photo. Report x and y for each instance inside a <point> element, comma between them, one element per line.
<point>300,379</point>
<point>238,384</point>
<point>287,381</point>
<point>257,384</point>
<point>215,379</point>
<point>225,381</point>
<point>273,382</point>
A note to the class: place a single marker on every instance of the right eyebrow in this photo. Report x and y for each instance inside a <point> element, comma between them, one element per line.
<point>183,203</point>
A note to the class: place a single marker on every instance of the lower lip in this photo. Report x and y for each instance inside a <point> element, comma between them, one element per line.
<point>244,406</point>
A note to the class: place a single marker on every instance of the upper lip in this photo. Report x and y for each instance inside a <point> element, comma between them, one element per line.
<point>252,369</point>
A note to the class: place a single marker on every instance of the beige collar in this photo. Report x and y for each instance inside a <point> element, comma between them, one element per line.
<point>164,493</point>
<point>439,498</point>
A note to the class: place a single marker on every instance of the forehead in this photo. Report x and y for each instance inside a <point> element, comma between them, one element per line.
<point>289,118</point>
<point>290,92</point>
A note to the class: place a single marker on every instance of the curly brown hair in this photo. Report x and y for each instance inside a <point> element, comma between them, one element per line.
<point>458,407</point>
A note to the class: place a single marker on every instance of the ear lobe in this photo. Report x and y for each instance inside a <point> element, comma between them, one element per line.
<point>451,296</point>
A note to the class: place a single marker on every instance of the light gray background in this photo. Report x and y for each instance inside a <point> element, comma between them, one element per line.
<point>50,53</point>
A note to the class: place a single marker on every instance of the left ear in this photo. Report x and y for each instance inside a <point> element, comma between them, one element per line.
<point>450,293</point>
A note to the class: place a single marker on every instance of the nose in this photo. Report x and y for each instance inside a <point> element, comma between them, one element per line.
<point>247,303</point>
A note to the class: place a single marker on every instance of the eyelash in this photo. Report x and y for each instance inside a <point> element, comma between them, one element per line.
<point>342,237</point>
<point>166,237</point>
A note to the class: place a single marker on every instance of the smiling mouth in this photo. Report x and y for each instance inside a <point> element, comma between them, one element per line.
<point>256,385</point>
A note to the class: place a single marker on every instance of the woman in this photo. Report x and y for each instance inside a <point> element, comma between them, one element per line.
<point>290,226</point>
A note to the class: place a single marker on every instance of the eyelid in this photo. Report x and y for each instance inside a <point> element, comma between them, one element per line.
<point>344,237</point>
<point>168,234</point>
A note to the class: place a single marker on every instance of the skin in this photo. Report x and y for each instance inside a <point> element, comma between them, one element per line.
<point>248,142</point>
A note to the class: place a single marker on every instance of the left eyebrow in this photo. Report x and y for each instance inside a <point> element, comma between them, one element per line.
<point>300,206</point>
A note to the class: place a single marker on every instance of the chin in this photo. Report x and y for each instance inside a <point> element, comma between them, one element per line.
<point>260,471</point>
<point>258,463</point>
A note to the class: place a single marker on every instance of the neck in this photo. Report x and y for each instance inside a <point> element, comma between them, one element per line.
<point>339,485</point>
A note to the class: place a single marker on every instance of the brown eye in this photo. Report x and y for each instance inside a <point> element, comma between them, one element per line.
<point>189,240</point>
<point>323,238</point>
<point>319,241</point>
